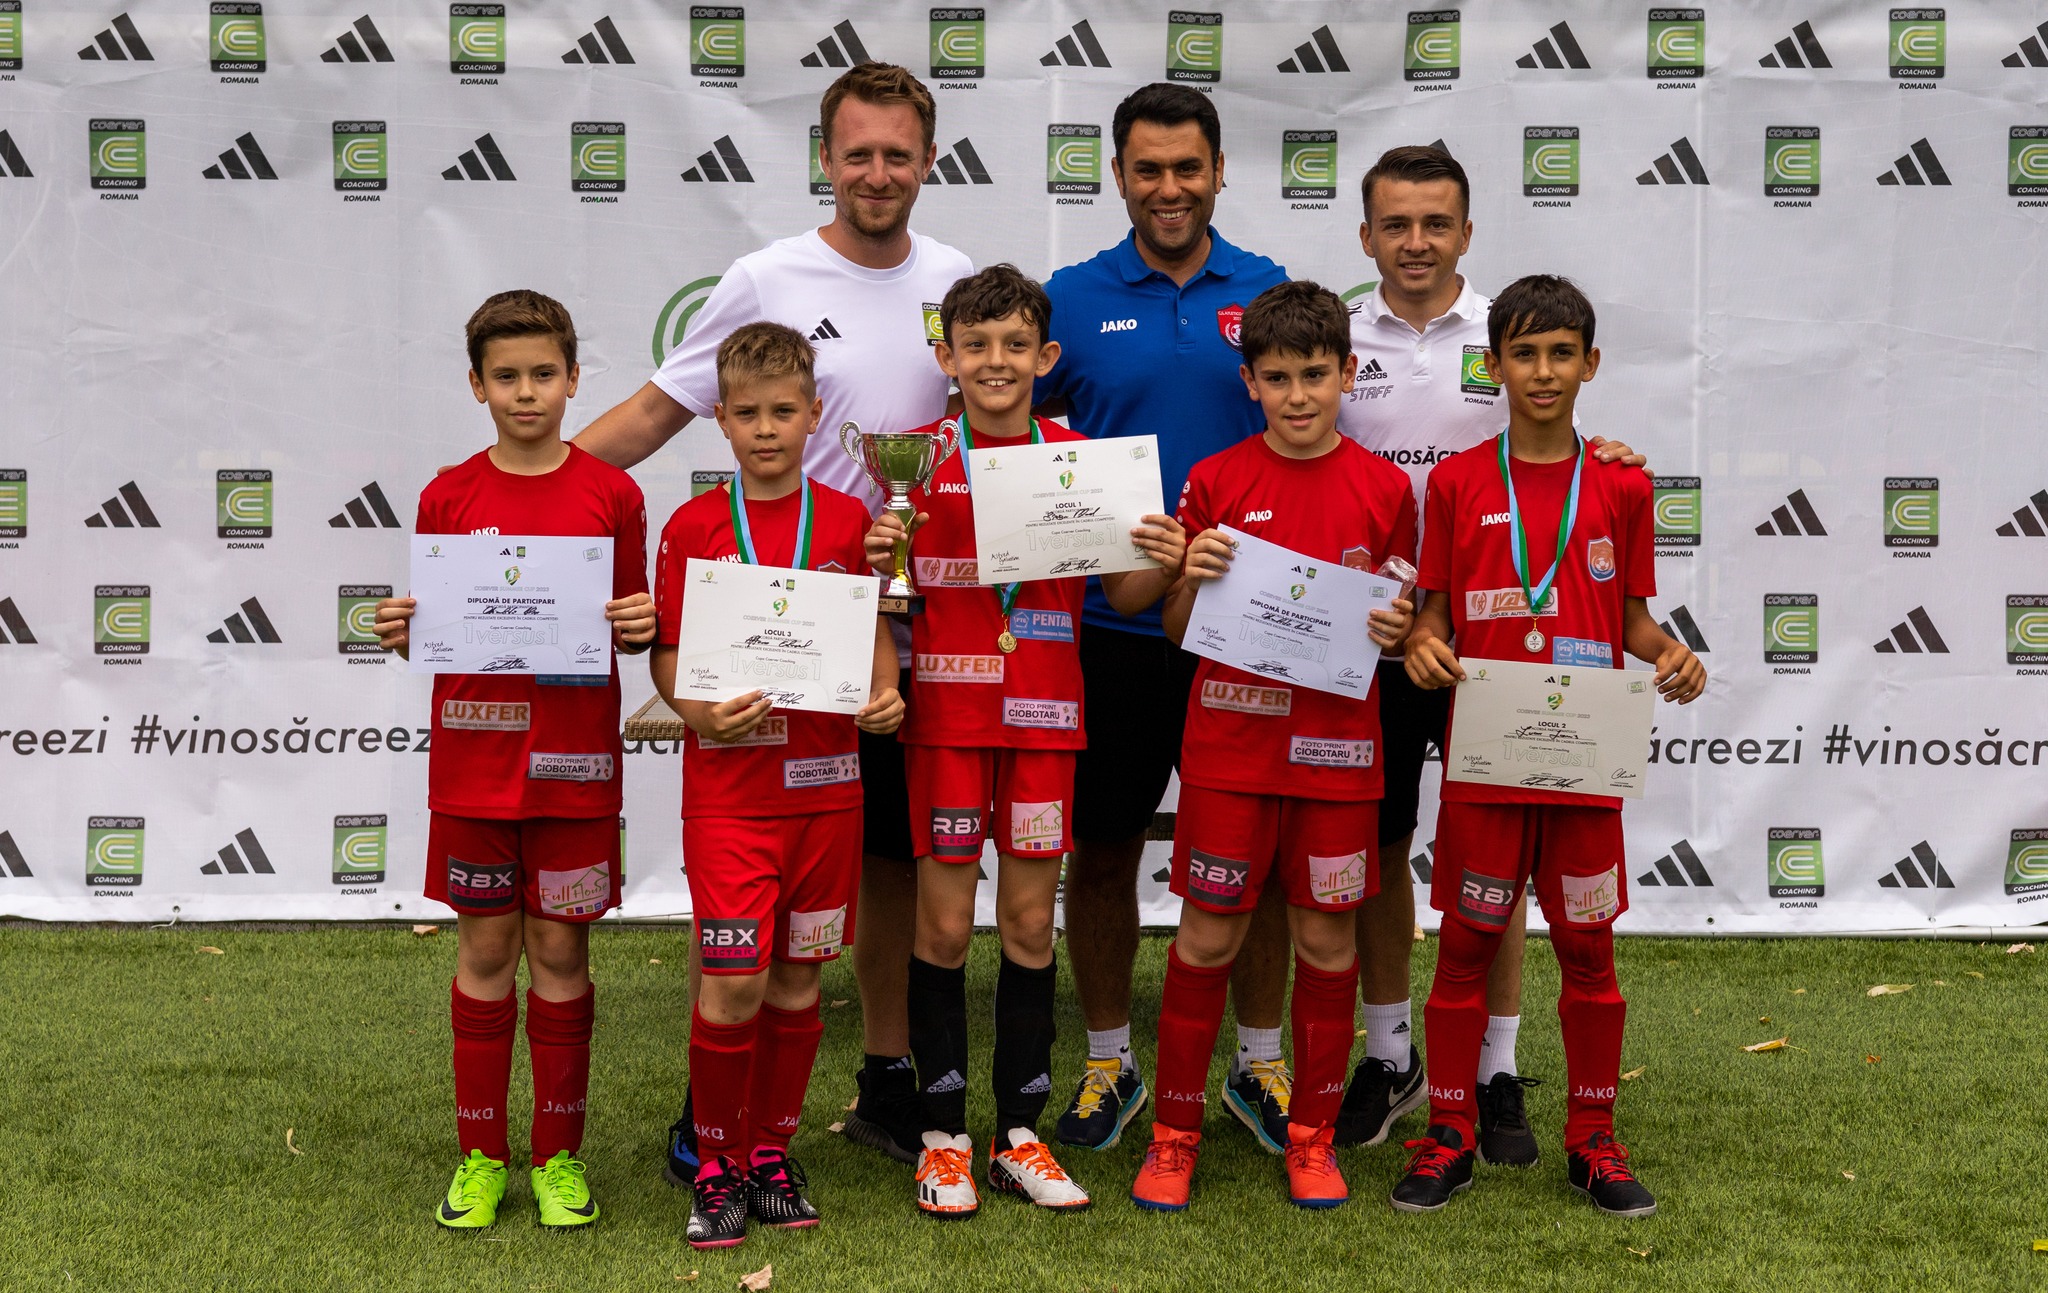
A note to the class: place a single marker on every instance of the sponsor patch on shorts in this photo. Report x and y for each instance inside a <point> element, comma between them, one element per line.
<point>956,832</point>
<point>948,572</point>
<point>729,944</point>
<point>1486,900</point>
<point>1581,653</point>
<point>1591,899</point>
<point>1038,827</point>
<point>1338,879</point>
<point>582,892</point>
<point>826,770</point>
<point>959,668</point>
<point>1218,881</point>
<point>1041,626</point>
<point>772,730</point>
<point>569,767</point>
<point>1327,752</point>
<point>816,935</point>
<point>486,715</point>
<point>1059,715</point>
<point>1506,604</point>
<point>475,886</point>
<point>1247,698</point>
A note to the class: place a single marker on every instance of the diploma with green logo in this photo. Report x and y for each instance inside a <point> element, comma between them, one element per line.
<point>1049,511</point>
<point>1297,619</point>
<point>803,638</point>
<point>511,603</point>
<point>1544,727</point>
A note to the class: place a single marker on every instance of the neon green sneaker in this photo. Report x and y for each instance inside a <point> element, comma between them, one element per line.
<point>474,1194</point>
<point>562,1194</point>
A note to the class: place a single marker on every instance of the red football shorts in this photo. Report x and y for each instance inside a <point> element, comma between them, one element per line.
<point>558,868</point>
<point>957,793</point>
<point>1225,844</point>
<point>1485,853</point>
<point>772,886</point>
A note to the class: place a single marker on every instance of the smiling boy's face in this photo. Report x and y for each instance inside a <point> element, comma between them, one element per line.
<point>768,419</point>
<point>528,384</point>
<point>996,361</point>
<point>1300,395</point>
<point>1542,372</point>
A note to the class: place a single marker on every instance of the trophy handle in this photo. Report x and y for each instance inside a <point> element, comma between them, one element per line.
<point>949,440</point>
<point>849,436</point>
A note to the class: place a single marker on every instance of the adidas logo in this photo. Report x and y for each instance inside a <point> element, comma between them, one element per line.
<point>2033,51</point>
<point>1319,42</point>
<point>362,44</point>
<point>1679,166</point>
<point>1565,52</point>
<point>961,166</point>
<point>1929,170</point>
<point>366,512</point>
<point>248,164</point>
<point>951,1082</point>
<point>1802,41</point>
<point>13,628</point>
<point>250,860</point>
<point>1372,372</point>
<point>1401,1029</point>
<point>1794,518</point>
<point>1077,48</point>
<point>825,331</point>
<point>1678,869</point>
<point>1423,864</point>
<point>1916,635</point>
<point>1036,1086</point>
<point>11,861</point>
<point>601,40</point>
<point>708,170</point>
<point>119,43</point>
<point>2025,520</point>
<point>1919,869</point>
<point>136,513</point>
<point>484,162</point>
<point>1682,627</point>
<point>843,52</point>
<point>12,164</point>
<point>250,624</point>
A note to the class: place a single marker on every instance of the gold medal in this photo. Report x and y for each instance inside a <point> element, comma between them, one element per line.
<point>1534,641</point>
<point>1007,641</point>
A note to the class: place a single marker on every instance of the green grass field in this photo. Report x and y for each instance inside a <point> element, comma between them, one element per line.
<point>148,1087</point>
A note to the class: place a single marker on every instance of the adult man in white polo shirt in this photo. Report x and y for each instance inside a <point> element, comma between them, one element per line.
<point>1423,394</point>
<point>861,288</point>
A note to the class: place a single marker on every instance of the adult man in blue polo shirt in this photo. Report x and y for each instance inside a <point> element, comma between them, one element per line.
<point>1148,335</point>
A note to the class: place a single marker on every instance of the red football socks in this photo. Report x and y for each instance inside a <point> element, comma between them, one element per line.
<point>1322,1041</point>
<point>558,1039</point>
<point>1455,1024</point>
<point>721,1057</point>
<point>1590,1008</point>
<point>1190,1012</point>
<point>483,1069</point>
<point>785,1047</point>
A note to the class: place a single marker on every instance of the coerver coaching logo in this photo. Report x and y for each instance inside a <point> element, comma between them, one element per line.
<point>674,320</point>
<point>1194,46</point>
<point>959,41</point>
<point>1550,161</point>
<point>120,619</point>
<point>360,843</point>
<point>1919,44</point>
<point>1678,44</point>
<point>1793,866</point>
<point>597,156</point>
<point>1073,158</point>
<point>1791,161</point>
<point>10,35</point>
<point>1912,511</point>
<point>361,159</point>
<point>1308,164</point>
<point>2026,629</point>
<point>356,631</point>
<point>113,852</point>
<point>476,39</point>
<point>1474,378</point>
<point>1675,513</point>
<point>243,503</point>
<point>1432,50</point>
<point>119,155</point>
<point>1791,628</point>
<point>2026,862</point>
<point>821,183</point>
<point>2026,162</point>
<point>235,40</point>
<point>13,503</point>
<point>718,40</point>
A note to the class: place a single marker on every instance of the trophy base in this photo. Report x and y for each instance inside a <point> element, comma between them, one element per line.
<point>902,608</point>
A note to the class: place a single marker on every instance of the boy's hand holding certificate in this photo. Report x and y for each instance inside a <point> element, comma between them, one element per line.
<point>802,638</point>
<point>499,603</point>
<point>1051,511</point>
<point>1547,727</point>
<point>1282,615</point>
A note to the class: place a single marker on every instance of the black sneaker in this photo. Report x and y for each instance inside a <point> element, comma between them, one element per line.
<point>718,1212</point>
<point>888,1117</point>
<point>1379,1094</point>
<point>1109,1096</point>
<point>683,1162</point>
<point>1258,1094</point>
<point>1504,1136</point>
<point>775,1192</point>
<point>1600,1172</point>
<point>1440,1167</point>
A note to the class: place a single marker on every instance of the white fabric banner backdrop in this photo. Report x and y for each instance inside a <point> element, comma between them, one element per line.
<point>240,242</point>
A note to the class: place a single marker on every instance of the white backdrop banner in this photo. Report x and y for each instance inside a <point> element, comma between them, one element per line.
<point>238,242</point>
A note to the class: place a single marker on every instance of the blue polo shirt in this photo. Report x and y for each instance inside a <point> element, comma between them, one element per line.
<point>1142,355</point>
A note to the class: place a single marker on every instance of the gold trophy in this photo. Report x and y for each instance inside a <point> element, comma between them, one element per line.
<point>898,461</point>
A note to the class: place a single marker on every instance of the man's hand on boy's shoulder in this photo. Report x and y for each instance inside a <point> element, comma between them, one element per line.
<point>1616,451</point>
<point>1680,675</point>
<point>883,536</point>
<point>633,622</point>
<point>394,623</point>
<point>882,714</point>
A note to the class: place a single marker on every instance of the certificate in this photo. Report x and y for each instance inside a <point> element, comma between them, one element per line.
<point>510,603</point>
<point>1048,511</point>
<point>1283,615</point>
<point>1549,727</point>
<point>802,638</point>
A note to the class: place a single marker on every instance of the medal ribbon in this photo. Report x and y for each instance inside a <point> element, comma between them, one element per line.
<point>1518,534</point>
<point>1005,593</point>
<point>743,534</point>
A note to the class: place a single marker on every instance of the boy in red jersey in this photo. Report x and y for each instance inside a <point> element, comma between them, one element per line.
<point>994,721</point>
<point>771,800</point>
<point>523,774</point>
<point>1534,550</point>
<point>1277,782</point>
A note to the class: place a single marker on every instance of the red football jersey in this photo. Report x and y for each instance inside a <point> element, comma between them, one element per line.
<point>523,745</point>
<point>1466,555</point>
<point>1244,733</point>
<point>795,761</point>
<point>965,690</point>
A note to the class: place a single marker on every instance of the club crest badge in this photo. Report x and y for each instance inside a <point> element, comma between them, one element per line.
<point>1600,558</point>
<point>1230,322</point>
<point>1357,558</point>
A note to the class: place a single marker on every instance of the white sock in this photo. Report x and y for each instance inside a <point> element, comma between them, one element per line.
<point>1111,1044</point>
<point>1497,1052</point>
<point>1255,1044</point>
<point>1388,1034</point>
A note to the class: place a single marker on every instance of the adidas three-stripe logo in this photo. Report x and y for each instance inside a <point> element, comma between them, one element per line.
<point>1929,170</point>
<point>12,164</point>
<point>367,512</point>
<point>250,624</point>
<point>11,861</point>
<point>1564,53</point>
<point>718,164</point>
<point>843,52</point>
<point>249,163</point>
<point>1681,868</point>
<point>2028,520</point>
<point>1679,166</point>
<point>1372,372</point>
<point>363,44</point>
<point>1919,869</point>
<point>961,166</point>
<point>601,40</point>
<point>2033,51</point>
<point>1789,50</point>
<point>1682,626</point>
<point>1319,42</point>
<point>1914,636</point>
<point>119,42</point>
<point>1794,518</point>
<point>251,859</point>
<point>1423,864</point>
<point>1078,48</point>
<point>825,331</point>
<point>13,628</point>
<point>137,511</point>
<point>484,162</point>
<point>950,1081</point>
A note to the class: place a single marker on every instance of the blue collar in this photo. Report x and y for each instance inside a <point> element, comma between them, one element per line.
<point>1222,262</point>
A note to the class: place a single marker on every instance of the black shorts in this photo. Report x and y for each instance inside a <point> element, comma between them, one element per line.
<point>885,799</point>
<point>1412,727</point>
<point>1136,686</point>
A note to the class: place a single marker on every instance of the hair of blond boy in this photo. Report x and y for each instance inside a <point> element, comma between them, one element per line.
<point>996,293</point>
<point>764,352</point>
<point>1297,318</point>
<point>882,85</point>
<point>519,313</point>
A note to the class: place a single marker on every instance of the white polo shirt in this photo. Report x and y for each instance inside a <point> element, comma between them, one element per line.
<point>873,330</point>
